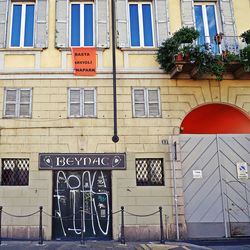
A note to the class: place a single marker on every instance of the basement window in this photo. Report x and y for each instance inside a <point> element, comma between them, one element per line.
<point>15,172</point>
<point>149,172</point>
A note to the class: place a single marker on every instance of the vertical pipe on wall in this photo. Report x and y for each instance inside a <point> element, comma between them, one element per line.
<point>115,137</point>
<point>173,152</point>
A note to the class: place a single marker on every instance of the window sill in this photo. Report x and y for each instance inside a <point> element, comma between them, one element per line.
<point>139,49</point>
<point>69,48</point>
<point>20,49</point>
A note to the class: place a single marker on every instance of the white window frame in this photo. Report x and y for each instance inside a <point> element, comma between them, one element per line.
<point>147,102</point>
<point>82,103</point>
<point>82,39</point>
<point>22,30</point>
<point>141,27</point>
<point>17,103</point>
<point>205,19</point>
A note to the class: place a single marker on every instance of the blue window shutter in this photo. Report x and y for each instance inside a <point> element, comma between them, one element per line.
<point>41,24</point>
<point>16,25</point>
<point>147,25</point>
<point>161,20</point>
<point>187,13</point>
<point>61,24</point>
<point>3,22</point>
<point>102,23</point>
<point>29,26</point>
<point>122,23</point>
<point>88,25</point>
<point>134,25</point>
<point>75,25</point>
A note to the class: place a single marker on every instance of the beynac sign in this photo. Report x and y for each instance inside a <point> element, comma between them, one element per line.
<point>105,161</point>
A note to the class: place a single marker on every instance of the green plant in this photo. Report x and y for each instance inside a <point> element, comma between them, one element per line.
<point>205,61</point>
<point>172,46</point>
<point>246,36</point>
<point>166,53</point>
<point>245,56</point>
<point>186,35</point>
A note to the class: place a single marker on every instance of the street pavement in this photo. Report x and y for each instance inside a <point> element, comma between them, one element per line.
<point>69,245</point>
<point>227,244</point>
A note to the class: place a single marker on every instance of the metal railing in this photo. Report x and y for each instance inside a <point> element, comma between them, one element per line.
<point>220,43</point>
<point>81,211</point>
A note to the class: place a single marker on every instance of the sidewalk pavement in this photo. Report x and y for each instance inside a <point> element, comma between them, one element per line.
<point>73,245</point>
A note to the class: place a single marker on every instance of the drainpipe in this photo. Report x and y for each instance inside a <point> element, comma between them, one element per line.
<point>173,151</point>
<point>115,137</point>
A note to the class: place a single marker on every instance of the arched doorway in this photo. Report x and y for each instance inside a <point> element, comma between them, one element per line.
<point>215,156</point>
<point>216,119</point>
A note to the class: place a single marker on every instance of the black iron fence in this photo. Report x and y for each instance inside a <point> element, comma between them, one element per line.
<point>122,211</point>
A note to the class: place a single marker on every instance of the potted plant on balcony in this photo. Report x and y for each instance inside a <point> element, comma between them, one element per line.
<point>246,36</point>
<point>171,49</point>
<point>186,35</point>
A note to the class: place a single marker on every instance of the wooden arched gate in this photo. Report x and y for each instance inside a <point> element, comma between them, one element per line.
<point>214,167</point>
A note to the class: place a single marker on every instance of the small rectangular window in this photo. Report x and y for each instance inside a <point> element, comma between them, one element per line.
<point>82,102</point>
<point>146,102</point>
<point>141,25</point>
<point>22,25</point>
<point>82,25</point>
<point>17,103</point>
<point>15,172</point>
<point>149,172</point>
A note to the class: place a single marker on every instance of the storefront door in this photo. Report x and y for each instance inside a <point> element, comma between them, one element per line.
<point>76,190</point>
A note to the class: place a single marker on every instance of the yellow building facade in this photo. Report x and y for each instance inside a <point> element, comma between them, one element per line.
<point>43,77</point>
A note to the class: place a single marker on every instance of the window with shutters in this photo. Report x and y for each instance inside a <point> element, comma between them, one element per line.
<point>17,103</point>
<point>15,172</point>
<point>149,172</point>
<point>22,25</point>
<point>146,102</point>
<point>82,102</point>
<point>81,24</point>
<point>141,24</point>
<point>206,23</point>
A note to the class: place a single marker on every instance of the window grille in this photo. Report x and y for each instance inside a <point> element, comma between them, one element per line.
<point>149,172</point>
<point>15,172</point>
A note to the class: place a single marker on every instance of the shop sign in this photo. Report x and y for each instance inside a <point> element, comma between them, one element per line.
<point>197,174</point>
<point>84,61</point>
<point>105,161</point>
<point>242,170</point>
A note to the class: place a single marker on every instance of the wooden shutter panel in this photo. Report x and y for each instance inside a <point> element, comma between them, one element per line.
<point>74,102</point>
<point>62,23</point>
<point>162,20</point>
<point>228,25</point>
<point>139,103</point>
<point>89,102</point>
<point>102,23</point>
<point>3,22</point>
<point>10,102</point>
<point>122,23</point>
<point>41,25</point>
<point>25,102</point>
<point>187,13</point>
<point>153,103</point>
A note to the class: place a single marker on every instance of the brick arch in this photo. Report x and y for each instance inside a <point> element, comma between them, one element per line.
<point>216,118</point>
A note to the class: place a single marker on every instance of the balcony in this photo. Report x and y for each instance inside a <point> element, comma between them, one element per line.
<point>217,57</point>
